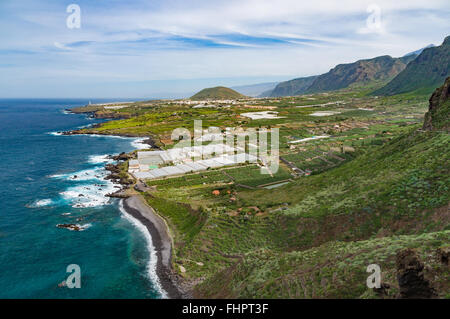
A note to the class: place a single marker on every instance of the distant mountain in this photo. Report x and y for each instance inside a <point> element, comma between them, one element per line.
<point>217,93</point>
<point>292,87</point>
<point>417,52</point>
<point>362,71</point>
<point>266,93</point>
<point>426,72</point>
<point>381,68</point>
<point>255,90</point>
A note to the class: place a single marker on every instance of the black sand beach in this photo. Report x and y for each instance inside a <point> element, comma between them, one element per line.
<point>161,241</point>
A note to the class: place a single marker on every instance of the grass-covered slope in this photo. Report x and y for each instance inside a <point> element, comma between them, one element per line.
<point>217,93</point>
<point>333,270</point>
<point>424,73</point>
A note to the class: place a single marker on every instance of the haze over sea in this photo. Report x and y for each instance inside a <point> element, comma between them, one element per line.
<point>39,190</point>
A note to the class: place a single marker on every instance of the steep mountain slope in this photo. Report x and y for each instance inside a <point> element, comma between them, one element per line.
<point>426,72</point>
<point>217,93</point>
<point>292,87</point>
<point>362,71</point>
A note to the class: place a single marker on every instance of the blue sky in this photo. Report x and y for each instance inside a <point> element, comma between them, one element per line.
<point>171,48</point>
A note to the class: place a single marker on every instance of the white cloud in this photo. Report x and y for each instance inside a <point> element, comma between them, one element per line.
<point>133,41</point>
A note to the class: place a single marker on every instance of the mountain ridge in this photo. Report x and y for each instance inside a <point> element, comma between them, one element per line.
<point>362,71</point>
<point>425,72</point>
<point>380,68</point>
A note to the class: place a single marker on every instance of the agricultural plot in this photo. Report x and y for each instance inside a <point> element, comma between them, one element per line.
<point>252,176</point>
<point>191,180</point>
<point>316,160</point>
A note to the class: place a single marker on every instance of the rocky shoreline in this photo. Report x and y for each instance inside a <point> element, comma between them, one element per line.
<point>134,205</point>
<point>83,131</point>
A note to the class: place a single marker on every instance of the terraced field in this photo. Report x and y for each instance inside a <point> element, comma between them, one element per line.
<point>246,175</point>
<point>316,160</point>
<point>252,176</point>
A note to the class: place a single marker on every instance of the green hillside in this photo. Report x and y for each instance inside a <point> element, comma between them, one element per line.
<point>367,211</point>
<point>362,71</point>
<point>217,93</point>
<point>335,269</point>
<point>425,73</point>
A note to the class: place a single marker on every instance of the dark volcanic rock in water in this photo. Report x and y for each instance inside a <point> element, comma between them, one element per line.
<point>410,276</point>
<point>437,117</point>
<point>70,227</point>
<point>118,194</point>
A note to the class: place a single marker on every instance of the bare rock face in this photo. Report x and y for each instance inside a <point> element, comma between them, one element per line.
<point>437,117</point>
<point>444,255</point>
<point>410,276</point>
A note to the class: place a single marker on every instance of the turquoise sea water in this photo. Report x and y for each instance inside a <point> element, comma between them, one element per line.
<point>39,191</point>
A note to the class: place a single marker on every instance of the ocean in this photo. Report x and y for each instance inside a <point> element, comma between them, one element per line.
<point>47,179</point>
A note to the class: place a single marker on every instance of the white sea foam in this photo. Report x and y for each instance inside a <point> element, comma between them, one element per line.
<point>89,195</point>
<point>97,173</point>
<point>98,159</point>
<point>78,227</point>
<point>139,143</point>
<point>107,136</point>
<point>84,126</point>
<point>151,266</point>
<point>84,227</point>
<point>42,202</point>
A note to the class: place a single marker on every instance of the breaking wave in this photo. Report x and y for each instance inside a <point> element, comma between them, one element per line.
<point>151,265</point>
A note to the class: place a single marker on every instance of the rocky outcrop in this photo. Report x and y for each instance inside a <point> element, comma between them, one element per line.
<point>437,117</point>
<point>118,194</point>
<point>74,227</point>
<point>444,255</point>
<point>116,176</point>
<point>122,157</point>
<point>410,276</point>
